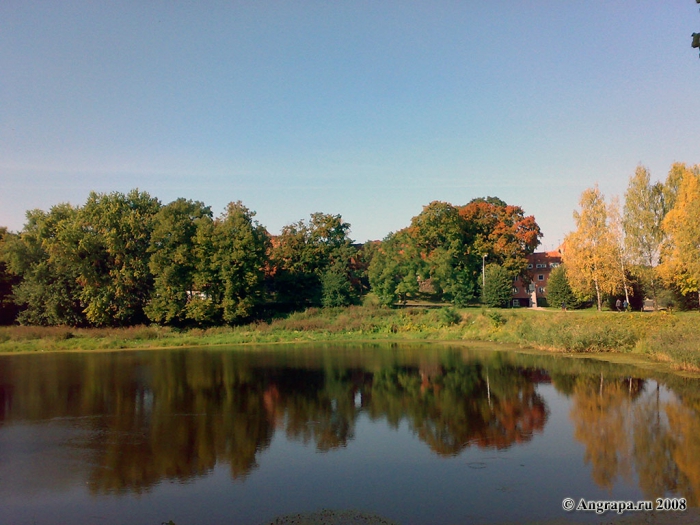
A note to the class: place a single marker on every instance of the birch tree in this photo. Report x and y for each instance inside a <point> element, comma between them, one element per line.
<point>619,239</point>
<point>645,208</point>
<point>590,251</point>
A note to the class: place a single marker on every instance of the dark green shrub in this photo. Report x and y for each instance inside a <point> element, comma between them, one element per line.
<point>558,290</point>
<point>496,318</point>
<point>337,289</point>
<point>449,316</point>
<point>498,288</point>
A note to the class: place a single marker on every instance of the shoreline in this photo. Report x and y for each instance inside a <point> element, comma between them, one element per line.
<point>657,340</point>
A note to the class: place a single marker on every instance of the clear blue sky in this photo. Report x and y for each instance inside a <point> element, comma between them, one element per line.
<point>368,109</point>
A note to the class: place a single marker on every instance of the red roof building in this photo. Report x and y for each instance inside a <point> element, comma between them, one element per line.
<point>539,266</point>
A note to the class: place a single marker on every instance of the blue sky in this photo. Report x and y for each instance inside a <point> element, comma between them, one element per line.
<point>368,109</point>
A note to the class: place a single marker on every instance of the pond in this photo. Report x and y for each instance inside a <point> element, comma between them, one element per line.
<point>409,434</point>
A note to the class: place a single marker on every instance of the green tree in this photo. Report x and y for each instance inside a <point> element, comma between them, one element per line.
<point>454,273</point>
<point>8,308</point>
<point>39,256</point>
<point>437,226</point>
<point>232,254</point>
<point>393,272</point>
<point>337,288</point>
<point>174,260</point>
<point>558,290</point>
<point>304,252</point>
<point>111,243</point>
<point>442,250</point>
<point>441,241</point>
<point>361,262</point>
<point>498,288</point>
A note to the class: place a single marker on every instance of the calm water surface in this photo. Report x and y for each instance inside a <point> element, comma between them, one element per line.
<point>416,434</point>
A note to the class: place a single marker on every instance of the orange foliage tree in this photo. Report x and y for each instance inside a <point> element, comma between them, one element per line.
<point>501,231</point>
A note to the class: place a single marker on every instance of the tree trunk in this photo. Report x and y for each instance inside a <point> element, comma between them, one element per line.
<point>624,280</point>
<point>653,292</point>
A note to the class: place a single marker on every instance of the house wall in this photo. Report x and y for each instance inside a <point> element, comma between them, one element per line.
<point>539,267</point>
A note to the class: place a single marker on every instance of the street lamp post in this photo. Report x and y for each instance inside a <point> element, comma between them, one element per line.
<point>483,272</point>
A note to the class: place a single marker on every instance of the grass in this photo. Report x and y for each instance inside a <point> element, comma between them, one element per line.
<point>661,336</point>
<point>677,342</point>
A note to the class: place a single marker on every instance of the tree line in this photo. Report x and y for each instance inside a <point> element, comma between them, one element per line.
<point>125,259</point>
<point>648,247</point>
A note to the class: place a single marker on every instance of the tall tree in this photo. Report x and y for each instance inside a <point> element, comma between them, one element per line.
<point>111,241</point>
<point>644,211</point>
<point>174,261</point>
<point>617,234</point>
<point>445,244</point>
<point>442,242</point>
<point>304,252</point>
<point>590,251</point>
<point>502,231</point>
<point>47,292</point>
<point>675,177</point>
<point>8,308</point>
<point>681,250</point>
<point>394,270</point>
<point>232,254</point>
<point>438,225</point>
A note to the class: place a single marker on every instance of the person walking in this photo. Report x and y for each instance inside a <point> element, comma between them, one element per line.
<point>618,305</point>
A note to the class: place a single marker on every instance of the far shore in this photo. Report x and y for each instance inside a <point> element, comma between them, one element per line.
<point>667,341</point>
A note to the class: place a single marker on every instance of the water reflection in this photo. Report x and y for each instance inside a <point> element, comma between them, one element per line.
<point>626,430</point>
<point>147,417</point>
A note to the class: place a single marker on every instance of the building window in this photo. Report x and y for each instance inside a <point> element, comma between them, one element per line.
<point>515,290</point>
<point>554,265</point>
<point>516,302</point>
<point>529,267</point>
<point>542,265</point>
<point>540,277</point>
<point>542,290</point>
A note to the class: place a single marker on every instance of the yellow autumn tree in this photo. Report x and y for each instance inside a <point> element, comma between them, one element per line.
<point>617,233</point>
<point>680,255</point>
<point>591,253</point>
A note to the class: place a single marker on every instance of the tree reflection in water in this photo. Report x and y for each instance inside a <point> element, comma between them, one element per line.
<point>624,427</point>
<point>176,415</point>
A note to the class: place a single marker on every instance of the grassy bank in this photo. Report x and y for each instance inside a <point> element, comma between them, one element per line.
<point>665,337</point>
